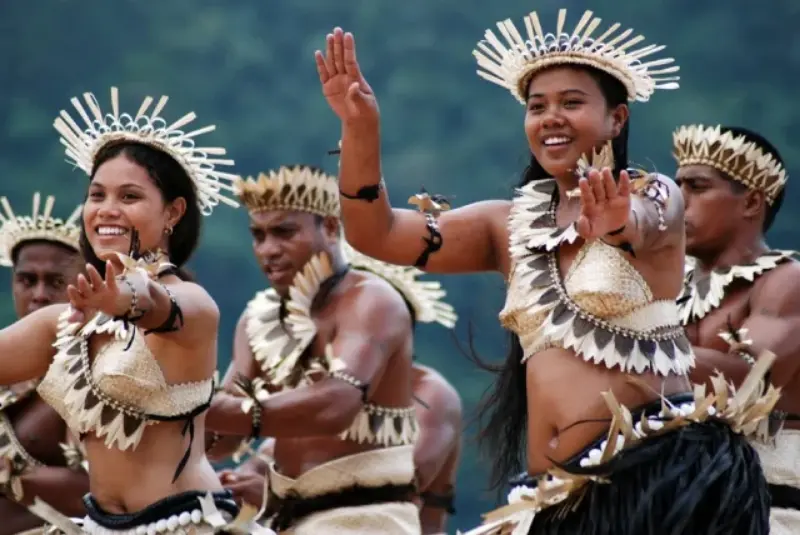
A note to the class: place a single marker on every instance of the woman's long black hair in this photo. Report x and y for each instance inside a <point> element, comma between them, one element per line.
<point>173,182</point>
<point>503,412</point>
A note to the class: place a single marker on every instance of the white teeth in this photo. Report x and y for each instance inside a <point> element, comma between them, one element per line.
<point>556,141</point>
<point>111,231</point>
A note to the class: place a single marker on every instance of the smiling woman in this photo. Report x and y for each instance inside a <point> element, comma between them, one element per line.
<point>593,254</point>
<point>129,364</point>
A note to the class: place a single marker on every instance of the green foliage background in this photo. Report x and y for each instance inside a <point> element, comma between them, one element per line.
<point>247,66</point>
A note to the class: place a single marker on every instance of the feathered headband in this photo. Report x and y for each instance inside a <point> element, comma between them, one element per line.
<point>300,188</point>
<point>146,127</point>
<point>16,229</point>
<point>425,297</point>
<point>513,63</point>
<point>732,154</point>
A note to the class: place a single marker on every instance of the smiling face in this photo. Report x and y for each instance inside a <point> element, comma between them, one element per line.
<point>567,116</point>
<point>122,196</point>
<point>284,241</point>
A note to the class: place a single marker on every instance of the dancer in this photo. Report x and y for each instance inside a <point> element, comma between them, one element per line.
<point>593,254</point>
<point>336,343</point>
<point>128,364</point>
<point>39,459</point>
<point>741,296</point>
<point>436,453</point>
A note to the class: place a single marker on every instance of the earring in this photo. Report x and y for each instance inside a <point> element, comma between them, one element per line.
<point>168,231</point>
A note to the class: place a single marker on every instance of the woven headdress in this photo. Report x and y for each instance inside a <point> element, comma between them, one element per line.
<point>16,229</point>
<point>298,188</point>
<point>730,153</point>
<point>148,128</point>
<point>425,297</point>
<point>512,64</point>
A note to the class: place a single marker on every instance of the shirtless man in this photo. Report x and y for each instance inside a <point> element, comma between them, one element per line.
<point>333,345</point>
<point>42,253</point>
<point>436,453</point>
<point>741,297</point>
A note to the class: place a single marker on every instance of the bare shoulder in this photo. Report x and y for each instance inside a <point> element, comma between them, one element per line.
<point>783,280</point>
<point>369,294</point>
<point>198,295</point>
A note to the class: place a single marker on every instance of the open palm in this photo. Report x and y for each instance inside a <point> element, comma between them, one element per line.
<point>605,204</point>
<point>344,87</point>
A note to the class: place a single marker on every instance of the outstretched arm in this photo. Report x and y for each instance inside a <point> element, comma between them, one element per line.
<point>470,239</point>
<point>180,311</point>
<point>371,326</point>
<point>26,346</point>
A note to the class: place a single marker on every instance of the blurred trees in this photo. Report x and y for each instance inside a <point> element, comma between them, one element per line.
<point>248,67</point>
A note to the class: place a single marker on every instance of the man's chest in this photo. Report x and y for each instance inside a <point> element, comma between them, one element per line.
<point>730,314</point>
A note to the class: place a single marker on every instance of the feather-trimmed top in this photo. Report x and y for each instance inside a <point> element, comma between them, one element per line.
<point>602,309</point>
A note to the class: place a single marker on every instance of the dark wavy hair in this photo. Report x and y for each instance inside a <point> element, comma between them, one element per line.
<point>502,414</point>
<point>762,143</point>
<point>173,182</point>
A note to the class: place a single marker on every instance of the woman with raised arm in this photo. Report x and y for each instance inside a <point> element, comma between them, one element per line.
<point>128,364</point>
<point>594,389</point>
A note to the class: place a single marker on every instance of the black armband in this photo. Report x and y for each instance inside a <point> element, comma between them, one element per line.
<point>174,321</point>
<point>432,244</point>
<point>365,193</point>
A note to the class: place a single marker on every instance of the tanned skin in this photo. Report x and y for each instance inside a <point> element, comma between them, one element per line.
<point>724,227</point>
<point>436,453</point>
<point>41,273</point>
<point>562,101</point>
<point>364,319</point>
<point>438,450</point>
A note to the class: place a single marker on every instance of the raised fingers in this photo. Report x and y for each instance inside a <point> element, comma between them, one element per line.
<point>322,69</point>
<point>111,277</point>
<point>599,190</point>
<point>350,61</point>
<point>588,201</point>
<point>624,185</point>
<point>83,287</point>
<point>338,50</point>
<point>609,185</point>
<point>94,276</point>
<point>329,54</point>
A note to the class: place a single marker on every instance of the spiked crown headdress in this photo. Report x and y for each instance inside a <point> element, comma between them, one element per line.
<point>16,229</point>
<point>730,153</point>
<point>513,63</point>
<point>301,188</point>
<point>148,128</point>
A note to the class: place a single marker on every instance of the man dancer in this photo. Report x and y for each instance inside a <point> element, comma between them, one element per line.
<point>42,253</point>
<point>740,296</point>
<point>436,453</point>
<point>334,348</point>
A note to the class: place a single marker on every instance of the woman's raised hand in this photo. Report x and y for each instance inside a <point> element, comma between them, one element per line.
<point>605,204</point>
<point>347,92</point>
